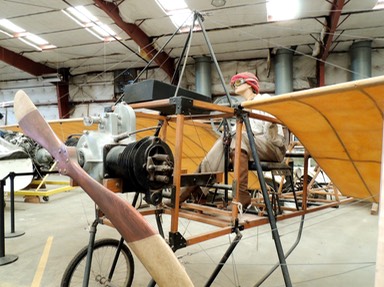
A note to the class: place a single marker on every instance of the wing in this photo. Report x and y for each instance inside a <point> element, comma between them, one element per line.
<point>342,128</point>
<point>63,128</point>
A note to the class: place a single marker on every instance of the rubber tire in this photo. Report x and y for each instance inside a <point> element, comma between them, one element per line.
<point>77,264</point>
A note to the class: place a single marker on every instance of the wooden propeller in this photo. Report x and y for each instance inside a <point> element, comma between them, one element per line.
<point>150,248</point>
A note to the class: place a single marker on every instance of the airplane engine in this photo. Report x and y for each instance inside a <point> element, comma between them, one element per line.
<point>112,152</point>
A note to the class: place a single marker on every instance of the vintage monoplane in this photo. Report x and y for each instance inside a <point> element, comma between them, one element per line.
<point>111,159</point>
<point>148,147</point>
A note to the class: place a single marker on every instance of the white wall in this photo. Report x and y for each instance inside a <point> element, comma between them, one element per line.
<point>93,92</point>
<point>41,93</point>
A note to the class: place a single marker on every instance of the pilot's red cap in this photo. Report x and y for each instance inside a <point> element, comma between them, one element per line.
<point>249,78</point>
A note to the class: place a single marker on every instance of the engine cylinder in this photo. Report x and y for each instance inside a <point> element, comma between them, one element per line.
<point>145,166</point>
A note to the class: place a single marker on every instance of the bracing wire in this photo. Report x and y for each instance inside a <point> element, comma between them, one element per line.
<point>315,221</point>
<point>225,26</point>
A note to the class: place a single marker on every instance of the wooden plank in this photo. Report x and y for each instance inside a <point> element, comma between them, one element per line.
<point>375,208</point>
<point>113,184</point>
<point>206,209</point>
<point>204,218</point>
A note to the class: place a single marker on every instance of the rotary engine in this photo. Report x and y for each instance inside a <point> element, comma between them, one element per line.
<point>112,152</point>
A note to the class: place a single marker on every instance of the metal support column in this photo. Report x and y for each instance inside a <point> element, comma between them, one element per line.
<point>13,233</point>
<point>226,255</point>
<point>4,259</point>
<point>271,218</point>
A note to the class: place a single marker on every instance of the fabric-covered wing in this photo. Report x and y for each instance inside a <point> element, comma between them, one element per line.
<point>342,128</point>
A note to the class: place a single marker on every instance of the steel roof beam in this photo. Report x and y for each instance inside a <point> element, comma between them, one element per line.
<point>331,26</point>
<point>62,91</point>
<point>36,69</point>
<point>145,43</point>
<point>24,64</point>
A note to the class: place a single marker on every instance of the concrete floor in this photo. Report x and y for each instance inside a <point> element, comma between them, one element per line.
<point>337,248</point>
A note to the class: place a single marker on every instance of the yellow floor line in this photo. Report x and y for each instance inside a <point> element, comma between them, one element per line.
<point>43,262</point>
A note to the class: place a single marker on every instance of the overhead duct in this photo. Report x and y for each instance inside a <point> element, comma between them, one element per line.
<point>283,71</point>
<point>203,76</point>
<point>361,60</point>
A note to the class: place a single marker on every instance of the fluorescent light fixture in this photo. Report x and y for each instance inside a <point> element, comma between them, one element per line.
<point>83,17</point>
<point>6,104</point>
<point>48,46</point>
<point>379,5</point>
<point>30,44</point>
<point>182,18</point>
<point>6,33</point>
<point>104,30</point>
<point>52,78</point>
<point>5,23</point>
<point>280,10</point>
<point>169,6</point>
<point>14,31</point>
<point>218,3</point>
<point>179,13</point>
<point>82,14</point>
<point>36,39</point>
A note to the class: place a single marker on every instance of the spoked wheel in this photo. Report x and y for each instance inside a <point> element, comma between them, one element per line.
<point>102,273</point>
<point>217,124</point>
<point>258,195</point>
<point>316,185</point>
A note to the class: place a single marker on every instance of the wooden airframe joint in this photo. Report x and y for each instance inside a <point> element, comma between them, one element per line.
<point>375,208</point>
<point>182,105</point>
<point>176,241</point>
<point>113,184</point>
<point>237,227</point>
<point>73,183</point>
<point>240,113</point>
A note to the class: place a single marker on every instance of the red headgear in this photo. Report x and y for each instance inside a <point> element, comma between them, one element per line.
<point>249,78</point>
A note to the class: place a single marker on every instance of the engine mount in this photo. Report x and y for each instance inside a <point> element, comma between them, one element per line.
<point>112,151</point>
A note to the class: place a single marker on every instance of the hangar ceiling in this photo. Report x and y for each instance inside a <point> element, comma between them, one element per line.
<point>239,30</point>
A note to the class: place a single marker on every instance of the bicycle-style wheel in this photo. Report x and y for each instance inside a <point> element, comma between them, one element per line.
<point>104,253</point>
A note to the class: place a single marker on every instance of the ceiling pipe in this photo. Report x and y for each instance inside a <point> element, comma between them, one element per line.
<point>361,60</point>
<point>283,71</point>
<point>331,26</point>
<point>203,80</point>
<point>36,69</point>
<point>145,43</point>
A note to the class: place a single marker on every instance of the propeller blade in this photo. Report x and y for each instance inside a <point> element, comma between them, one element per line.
<point>150,248</point>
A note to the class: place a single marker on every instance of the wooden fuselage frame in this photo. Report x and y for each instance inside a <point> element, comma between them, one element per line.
<point>223,220</point>
<point>180,122</point>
